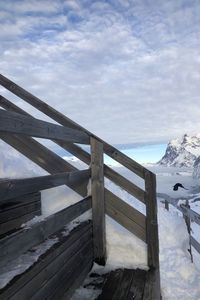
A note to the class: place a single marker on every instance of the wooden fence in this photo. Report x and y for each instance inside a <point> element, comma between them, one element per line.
<point>188,214</point>
<point>17,128</point>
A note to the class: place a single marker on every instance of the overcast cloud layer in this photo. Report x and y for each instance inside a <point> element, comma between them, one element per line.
<point>128,70</point>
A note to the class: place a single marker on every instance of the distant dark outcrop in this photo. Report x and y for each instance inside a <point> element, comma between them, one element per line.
<point>196,171</point>
<point>182,152</point>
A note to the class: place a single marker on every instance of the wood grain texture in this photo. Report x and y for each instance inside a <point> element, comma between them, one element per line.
<point>152,285</point>
<point>63,120</point>
<point>43,157</point>
<point>15,244</point>
<point>127,223</point>
<point>19,124</point>
<point>15,212</point>
<point>124,284</point>
<point>60,266</point>
<point>85,157</point>
<point>98,202</point>
<point>10,188</point>
<point>151,220</point>
<point>152,238</point>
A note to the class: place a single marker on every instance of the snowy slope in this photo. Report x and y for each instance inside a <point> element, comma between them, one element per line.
<point>182,152</point>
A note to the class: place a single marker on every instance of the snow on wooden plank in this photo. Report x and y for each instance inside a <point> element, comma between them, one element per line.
<point>52,274</point>
<point>19,242</point>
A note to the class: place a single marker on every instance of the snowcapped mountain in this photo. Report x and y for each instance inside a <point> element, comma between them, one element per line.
<point>182,152</point>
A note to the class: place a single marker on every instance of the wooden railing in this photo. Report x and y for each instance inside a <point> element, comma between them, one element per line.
<point>17,128</point>
<point>188,214</point>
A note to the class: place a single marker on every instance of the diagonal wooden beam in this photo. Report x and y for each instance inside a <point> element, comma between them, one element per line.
<point>63,120</point>
<point>118,179</point>
<point>43,157</point>
<point>13,122</point>
<point>10,188</point>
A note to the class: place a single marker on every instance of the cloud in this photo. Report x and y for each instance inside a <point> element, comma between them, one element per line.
<point>126,70</point>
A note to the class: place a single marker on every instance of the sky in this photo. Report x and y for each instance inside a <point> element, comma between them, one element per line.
<point>127,70</point>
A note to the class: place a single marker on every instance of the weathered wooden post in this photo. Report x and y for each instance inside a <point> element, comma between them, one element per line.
<point>153,288</point>
<point>166,205</point>
<point>188,225</point>
<point>98,205</point>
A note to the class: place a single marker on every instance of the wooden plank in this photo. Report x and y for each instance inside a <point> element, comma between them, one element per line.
<point>43,157</point>
<point>111,286</point>
<point>125,208</point>
<point>48,281</point>
<point>194,216</point>
<point>63,120</point>
<point>152,236</point>
<point>151,220</point>
<point>16,187</point>
<point>18,243</point>
<point>82,260</point>
<point>127,223</point>
<point>136,289</point>
<point>20,201</point>
<point>15,212</point>
<point>126,215</point>
<point>13,225</point>
<point>152,285</point>
<point>45,260</point>
<point>125,284</point>
<point>98,202</point>
<point>85,157</point>
<point>76,282</point>
<point>126,184</point>
<point>36,102</point>
<point>19,124</point>
<point>6,104</point>
<point>7,215</point>
<point>195,244</point>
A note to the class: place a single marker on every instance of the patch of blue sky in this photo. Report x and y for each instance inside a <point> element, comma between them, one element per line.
<point>146,154</point>
<point>141,154</point>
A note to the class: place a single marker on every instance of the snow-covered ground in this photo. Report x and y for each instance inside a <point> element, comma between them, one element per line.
<point>179,277</point>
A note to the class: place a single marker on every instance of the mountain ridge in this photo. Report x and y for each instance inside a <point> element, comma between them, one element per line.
<point>182,152</point>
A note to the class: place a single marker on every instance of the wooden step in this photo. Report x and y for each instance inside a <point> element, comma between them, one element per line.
<point>59,271</point>
<point>124,284</point>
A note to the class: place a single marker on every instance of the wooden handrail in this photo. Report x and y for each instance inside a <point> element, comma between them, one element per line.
<point>152,222</point>
<point>19,124</point>
<point>10,188</point>
<point>145,228</point>
<point>43,157</point>
<point>187,212</point>
<point>125,215</point>
<point>63,120</point>
<point>111,174</point>
<point>49,161</point>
